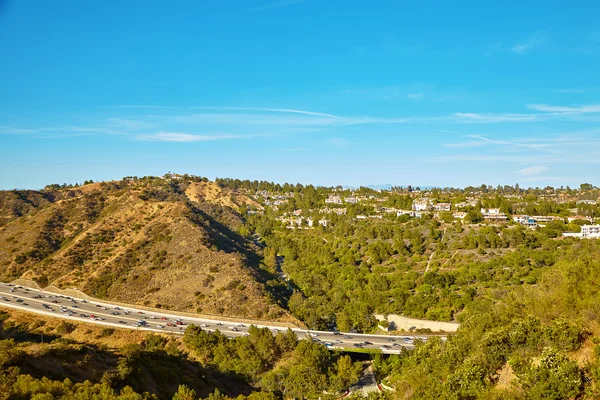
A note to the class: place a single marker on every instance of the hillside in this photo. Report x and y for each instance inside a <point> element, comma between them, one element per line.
<point>159,242</point>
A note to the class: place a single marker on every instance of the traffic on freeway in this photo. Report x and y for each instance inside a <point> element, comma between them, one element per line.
<point>39,301</point>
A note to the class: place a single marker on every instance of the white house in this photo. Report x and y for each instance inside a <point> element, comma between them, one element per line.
<point>590,231</point>
<point>587,232</point>
<point>459,215</point>
<point>421,205</point>
<point>493,214</point>
<point>591,202</point>
<point>333,200</point>
<point>442,206</point>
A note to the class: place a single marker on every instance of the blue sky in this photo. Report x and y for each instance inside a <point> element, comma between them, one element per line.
<point>324,92</point>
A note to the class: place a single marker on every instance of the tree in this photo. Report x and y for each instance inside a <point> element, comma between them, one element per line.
<point>345,374</point>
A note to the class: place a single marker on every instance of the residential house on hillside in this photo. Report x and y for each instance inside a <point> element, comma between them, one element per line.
<point>591,202</point>
<point>442,206</point>
<point>333,200</point>
<point>421,205</point>
<point>459,215</point>
<point>493,214</point>
<point>587,232</point>
<point>525,220</point>
<point>543,219</point>
<point>338,211</point>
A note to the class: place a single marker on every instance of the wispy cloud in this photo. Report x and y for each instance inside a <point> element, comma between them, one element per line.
<point>528,44</point>
<point>487,118</point>
<point>474,143</point>
<point>569,91</point>
<point>543,147</point>
<point>184,137</point>
<point>9,130</point>
<point>592,108</point>
<point>533,170</point>
<point>130,123</point>
<point>267,109</point>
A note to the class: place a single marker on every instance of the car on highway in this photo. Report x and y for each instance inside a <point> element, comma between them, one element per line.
<point>385,347</point>
<point>203,326</point>
<point>233,328</point>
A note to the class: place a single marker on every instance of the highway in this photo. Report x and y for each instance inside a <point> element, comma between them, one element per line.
<point>96,312</point>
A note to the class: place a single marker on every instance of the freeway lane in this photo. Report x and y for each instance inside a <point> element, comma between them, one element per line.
<point>39,301</point>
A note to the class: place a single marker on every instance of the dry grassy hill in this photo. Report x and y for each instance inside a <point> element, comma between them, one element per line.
<point>164,243</point>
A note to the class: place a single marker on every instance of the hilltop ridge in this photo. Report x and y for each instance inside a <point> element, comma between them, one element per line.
<point>170,242</point>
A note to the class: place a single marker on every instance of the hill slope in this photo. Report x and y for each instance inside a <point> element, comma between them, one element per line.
<point>138,241</point>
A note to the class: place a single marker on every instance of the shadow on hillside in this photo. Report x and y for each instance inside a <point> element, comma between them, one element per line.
<point>9,330</point>
<point>229,241</point>
<point>156,372</point>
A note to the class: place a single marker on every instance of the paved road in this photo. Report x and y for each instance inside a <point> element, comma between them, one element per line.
<point>41,302</point>
<point>367,382</point>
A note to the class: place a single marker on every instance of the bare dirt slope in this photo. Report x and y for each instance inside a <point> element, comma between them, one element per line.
<point>212,193</point>
<point>140,242</point>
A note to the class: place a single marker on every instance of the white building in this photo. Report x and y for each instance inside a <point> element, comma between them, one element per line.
<point>459,215</point>
<point>525,220</point>
<point>493,214</point>
<point>421,205</point>
<point>591,202</point>
<point>590,231</point>
<point>442,206</point>
<point>587,232</point>
<point>333,200</point>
